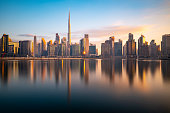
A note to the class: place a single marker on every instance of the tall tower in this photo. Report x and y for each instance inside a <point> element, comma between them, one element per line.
<point>69,30</point>
<point>35,47</point>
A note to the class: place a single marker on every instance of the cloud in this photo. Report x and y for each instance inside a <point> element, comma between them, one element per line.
<point>31,35</point>
<point>112,30</point>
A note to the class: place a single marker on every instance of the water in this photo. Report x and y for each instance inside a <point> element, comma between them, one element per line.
<point>90,85</point>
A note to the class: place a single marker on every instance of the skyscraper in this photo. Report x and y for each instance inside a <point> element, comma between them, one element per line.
<point>57,39</point>
<point>84,45</point>
<point>131,47</point>
<point>69,30</point>
<point>118,48</point>
<point>35,47</point>
<point>92,50</point>
<point>68,44</point>
<point>143,48</point>
<point>14,49</point>
<point>4,45</point>
<point>25,48</point>
<point>165,46</point>
<point>75,50</point>
<point>107,48</point>
<point>154,50</point>
<point>43,48</point>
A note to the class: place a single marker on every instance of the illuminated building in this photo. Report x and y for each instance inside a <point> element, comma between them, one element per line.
<point>107,48</point>
<point>4,45</point>
<point>118,48</point>
<point>62,49</point>
<point>75,50</point>
<point>63,40</point>
<point>84,46</point>
<point>143,48</point>
<point>25,48</point>
<point>131,47</point>
<point>165,46</point>
<point>43,48</point>
<point>13,48</point>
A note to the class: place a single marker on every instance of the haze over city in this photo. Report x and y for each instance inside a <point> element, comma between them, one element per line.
<point>22,19</point>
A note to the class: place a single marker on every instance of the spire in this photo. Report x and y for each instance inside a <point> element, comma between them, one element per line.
<point>69,30</point>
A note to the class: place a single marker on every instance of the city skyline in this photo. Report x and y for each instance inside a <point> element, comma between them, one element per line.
<point>151,20</point>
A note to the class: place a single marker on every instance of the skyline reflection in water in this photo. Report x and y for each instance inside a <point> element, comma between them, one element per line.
<point>85,85</point>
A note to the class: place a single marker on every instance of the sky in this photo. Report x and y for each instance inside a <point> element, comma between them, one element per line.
<point>22,19</point>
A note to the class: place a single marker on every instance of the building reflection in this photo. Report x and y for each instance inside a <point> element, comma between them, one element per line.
<point>142,69</point>
<point>24,69</point>
<point>130,69</point>
<point>92,65</point>
<point>43,70</point>
<point>4,73</point>
<point>154,66</point>
<point>57,71</point>
<point>84,70</point>
<point>165,70</point>
<point>108,68</point>
<point>118,66</point>
<point>69,80</point>
<point>63,69</point>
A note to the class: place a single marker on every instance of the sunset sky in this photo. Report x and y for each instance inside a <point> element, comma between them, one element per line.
<point>22,19</point>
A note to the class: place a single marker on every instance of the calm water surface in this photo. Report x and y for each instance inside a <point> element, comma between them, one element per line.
<point>89,85</point>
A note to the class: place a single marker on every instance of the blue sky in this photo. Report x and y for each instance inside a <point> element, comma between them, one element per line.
<point>99,18</point>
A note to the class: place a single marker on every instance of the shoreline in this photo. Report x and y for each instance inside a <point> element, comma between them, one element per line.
<point>65,58</point>
<point>36,58</point>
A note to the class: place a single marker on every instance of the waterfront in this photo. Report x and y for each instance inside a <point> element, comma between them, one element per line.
<point>85,85</point>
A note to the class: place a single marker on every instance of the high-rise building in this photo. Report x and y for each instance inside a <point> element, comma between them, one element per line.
<point>165,46</point>
<point>131,47</point>
<point>92,50</point>
<point>48,46</point>
<point>68,44</point>
<point>154,50</point>
<point>4,45</point>
<point>43,48</point>
<point>84,45</point>
<point>25,48</point>
<point>111,41</point>
<point>118,48</point>
<point>10,50</point>
<point>0,46</point>
<point>51,50</point>
<point>61,49</point>
<point>35,47</point>
<point>57,39</point>
<point>63,40</point>
<point>75,50</point>
<point>13,49</point>
<point>69,30</point>
<point>39,50</point>
<point>125,50</point>
<point>143,48</point>
<point>107,48</point>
